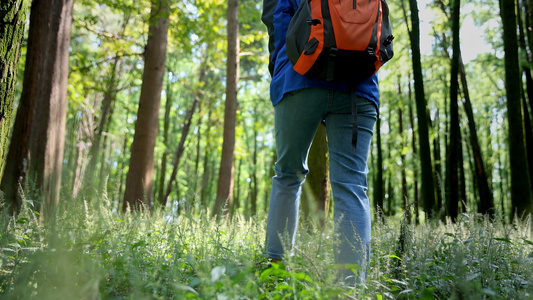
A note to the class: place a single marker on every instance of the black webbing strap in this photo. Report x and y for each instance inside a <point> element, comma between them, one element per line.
<point>332,58</point>
<point>354,117</point>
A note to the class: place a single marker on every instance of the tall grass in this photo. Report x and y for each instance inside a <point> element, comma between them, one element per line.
<point>91,251</point>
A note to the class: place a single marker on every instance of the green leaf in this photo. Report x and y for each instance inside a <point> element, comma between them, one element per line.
<point>503,240</point>
<point>528,242</point>
<point>217,272</point>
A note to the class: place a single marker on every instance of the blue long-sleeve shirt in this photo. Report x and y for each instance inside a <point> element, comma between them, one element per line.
<point>277,15</point>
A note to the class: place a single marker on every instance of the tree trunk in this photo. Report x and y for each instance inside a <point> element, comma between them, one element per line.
<point>226,170</point>
<point>166,126</point>
<point>521,194</point>
<point>82,145</point>
<point>315,196</point>
<point>237,189</point>
<point>528,8</point>
<point>378,186</point>
<point>40,124</point>
<point>206,163</point>
<point>391,203</point>
<point>254,181</point>
<point>438,167</point>
<point>405,193</point>
<point>139,178</point>
<point>179,151</point>
<point>12,20</point>
<point>198,154</point>
<point>452,157</point>
<point>428,184</point>
<point>528,131</point>
<point>529,87</point>
<point>414,165</point>
<point>99,139</point>
<point>486,199</point>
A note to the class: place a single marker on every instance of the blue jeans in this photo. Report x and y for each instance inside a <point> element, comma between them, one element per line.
<point>297,118</point>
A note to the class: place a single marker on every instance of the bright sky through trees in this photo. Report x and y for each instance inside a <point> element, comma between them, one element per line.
<point>472,36</point>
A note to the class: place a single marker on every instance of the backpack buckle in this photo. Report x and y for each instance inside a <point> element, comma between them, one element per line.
<point>388,40</point>
<point>313,22</point>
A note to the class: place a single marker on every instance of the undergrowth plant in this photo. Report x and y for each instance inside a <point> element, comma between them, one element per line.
<point>88,250</point>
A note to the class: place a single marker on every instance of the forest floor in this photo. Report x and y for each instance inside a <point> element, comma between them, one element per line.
<point>91,251</point>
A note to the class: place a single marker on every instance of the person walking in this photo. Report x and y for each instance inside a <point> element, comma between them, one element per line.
<point>301,104</point>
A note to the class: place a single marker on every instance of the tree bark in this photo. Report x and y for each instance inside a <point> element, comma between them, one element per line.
<point>226,169</point>
<point>521,194</point>
<point>315,196</point>
<point>40,124</point>
<point>454,147</point>
<point>486,198</point>
<point>529,95</point>
<point>428,184</point>
<point>414,165</point>
<point>139,179</point>
<point>12,21</point>
<point>405,192</point>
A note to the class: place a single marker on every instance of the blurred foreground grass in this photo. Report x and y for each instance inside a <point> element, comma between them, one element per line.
<point>91,251</point>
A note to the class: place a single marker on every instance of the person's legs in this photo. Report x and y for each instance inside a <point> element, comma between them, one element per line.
<point>296,118</point>
<point>348,171</point>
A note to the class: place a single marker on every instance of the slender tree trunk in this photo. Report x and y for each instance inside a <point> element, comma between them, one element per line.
<point>253,182</point>
<point>315,189</point>
<point>237,191</point>
<point>378,187</point>
<point>528,5</point>
<point>428,184</point>
<point>529,138</point>
<point>140,174</point>
<point>521,194</point>
<point>166,126</point>
<point>503,182</point>
<point>405,192</point>
<point>206,173</point>
<point>179,151</point>
<point>391,195</point>
<point>99,137</point>
<point>452,157</point>
<point>12,21</point>
<point>198,153</point>
<point>83,144</point>
<point>486,203</point>
<point>226,170</point>
<point>462,176</point>
<point>439,178</point>
<point>415,164</point>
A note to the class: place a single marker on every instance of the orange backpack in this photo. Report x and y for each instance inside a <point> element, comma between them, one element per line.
<point>341,40</point>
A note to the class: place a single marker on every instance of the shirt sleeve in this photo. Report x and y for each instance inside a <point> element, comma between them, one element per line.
<point>277,15</point>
